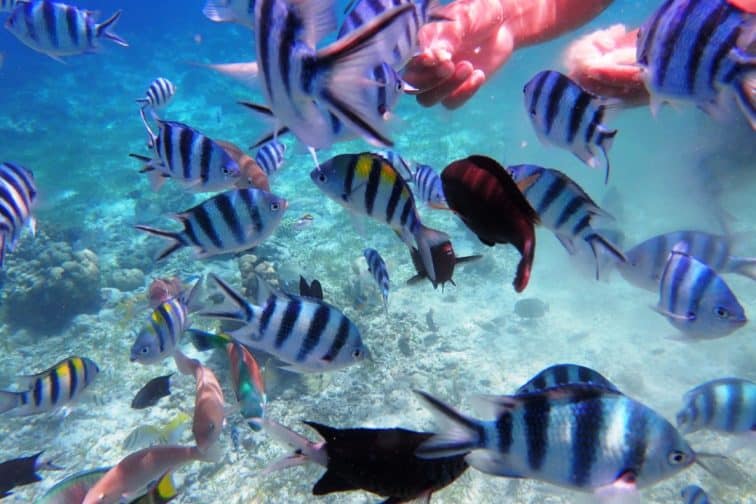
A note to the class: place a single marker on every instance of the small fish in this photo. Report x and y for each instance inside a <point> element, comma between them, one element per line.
<point>58,29</point>
<point>306,333</point>
<point>133,474</point>
<point>251,174</point>
<point>565,115</point>
<point>7,5</point>
<point>646,261</point>
<point>366,184</point>
<point>696,300</point>
<point>381,461</point>
<point>73,488</point>
<point>377,268</point>
<point>428,187</point>
<point>616,444</point>
<point>270,156</point>
<point>209,414</point>
<point>152,392</point>
<point>158,95</point>
<point>303,222</point>
<point>693,51</point>
<point>694,494</point>
<point>564,208</point>
<point>160,337</point>
<point>530,308</point>
<point>53,388</point>
<point>231,11</point>
<point>444,261</point>
<point>164,289</point>
<point>248,383</point>
<point>723,405</point>
<point>22,471</point>
<point>481,192</point>
<point>231,221</point>
<point>187,156</point>
<point>18,192</point>
<point>565,374</point>
<point>149,435</point>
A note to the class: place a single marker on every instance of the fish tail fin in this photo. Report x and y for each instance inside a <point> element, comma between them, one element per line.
<point>204,341</point>
<point>104,29</point>
<point>163,490</point>
<point>345,63</point>
<point>243,310</point>
<point>304,449</point>
<point>191,299</point>
<point>745,266</point>
<point>596,241</point>
<point>525,265</point>
<point>215,11</point>
<point>266,115</point>
<point>605,140</point>
<point>176,238</point>
<point>426,239</point>
<point>9,400</point>
<point>459,434</point>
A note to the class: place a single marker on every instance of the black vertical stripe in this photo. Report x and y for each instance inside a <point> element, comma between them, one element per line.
<point>206,158</point>
<point>590,130</point>
<point>568,211</point>
<point>267,315</point>
<point>536,420</point>
<point>292,26</point>
<point>54,386</point>
<point>709,405</point>
<point>588,416</point>
<point>186,141</point>
<point>576,114</point>
<point>583,223</point>
<point>349,177</point>
<point>584,374</point>
<point>74,378</point>
<point>700,41</point>
<point>504,432</point>
<point>72,23</point>
<point>48,12</point>
<point>262,33</point>
<point>38,391</point>
<point>228,213</point>
<point>205,222</point>
<point>8,199</point>
<point>734,406</point>
<point>86,371</point>
<point>169,326</point>
<point>538,85</point>
<point>561,375</point>
<point>191,234</point>
<point>722,56</point>
<point>552,192</point>
<point>250,202</point>
<point>406,212</point>
<point>373,183</point>
<point>636,437</point>
<point>673,28</point>
<point>31,29</point>
<point>396,192</point>
<point>314,331</point>
<point>376,6</point>
<point>559,84</point>
<point>680,265</point>
<point>89,31</point>
<point>288,321</point>
<point>339,341</point>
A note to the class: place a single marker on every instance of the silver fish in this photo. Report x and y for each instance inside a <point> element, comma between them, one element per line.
<point>270,156</point>
<point>159,94</point>
<point>723,405</point>
<point>694,494</point>
<point>18,193</point>
<point>377,268</point>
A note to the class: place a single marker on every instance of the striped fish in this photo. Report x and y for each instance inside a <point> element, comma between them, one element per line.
<point>249,386</point>
<point>564,208</point>
<point>565,115</point>
<point>304,87</point>
<point>723,405</point>
<point>428,187</point>
<point>367,184</point>
<point>231,11</point>
<point>695,299</point>
<point>576,436</point>
<point>565,374</point>
<point>56,387</point>
<point>7,5</point>
<point>694,494</point>
<point>646,261</point>
<point>307,334</point>
<point>377,268</point>
<point>18,193</point>
<point>160,337</point>
<point>694,50</point>
<point>149,435</point>
<point>231,221</point>
<point>159,94</point>
<point>270,156</point>
<point>58,29</point>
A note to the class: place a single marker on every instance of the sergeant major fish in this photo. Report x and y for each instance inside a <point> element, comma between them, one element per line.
<point>693,51</point>
<point>231,221</point>
<point>565,115</point>
<point>377,268</point>
<point>694,494</point>
<point>695,299</point>
<point>367,184</point>
<point>306,333</point>
<point>723,405</point>
<point>645,262</point>
<point>158,95</point>
<point>565,374</point>
<point>7,5</point>
<point>18,193</point>
<point>428,187</point>
<point>53,388</point>
<point>270,156</point>
<point>58,29</point>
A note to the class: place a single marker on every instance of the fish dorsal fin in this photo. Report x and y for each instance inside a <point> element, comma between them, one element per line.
<point>332,482</point>
<point>312,290</point>
<point>681,247</point>
<point>318,19</point>
<point>326,432</point>
<point>565,374</point>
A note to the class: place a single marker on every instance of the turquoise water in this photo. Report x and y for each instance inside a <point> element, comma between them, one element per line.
<point>74,125</point>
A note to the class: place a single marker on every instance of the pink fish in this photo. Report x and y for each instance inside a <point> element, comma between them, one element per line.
<point>209,414</point>
<point>132,475</point>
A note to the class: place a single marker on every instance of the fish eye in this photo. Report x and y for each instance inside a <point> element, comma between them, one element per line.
<point>677,457</point>
<point>722,312</point>
<point>144,350</point>
<point>274,206</point>
<point>322,177</point>
<point>357,353</point>
<point>399,85</point>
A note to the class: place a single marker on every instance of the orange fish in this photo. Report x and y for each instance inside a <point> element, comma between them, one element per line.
<point>209,414</point>
<point>251,173</point>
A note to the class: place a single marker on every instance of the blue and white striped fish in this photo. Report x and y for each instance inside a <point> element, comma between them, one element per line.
<point>159,94</point>
<point>428,187</point>
<point>17,195</point>
<point>582,437</point>
<point>308,334</point>
<point>270,156</point>
<point>367,184</point>
<point>58,29</point>
<point>231,221</point>
<point>231,11</point>
<point>51,389</point>
<point>566,115</point>
<point>645,262</point>
<point>302,86</point>
<point>377,268</point>
<point>694,494</point>
<point>160,337</point>
<point>7,5</point>
<point>723,405</point>
<point>695,299</point>
<point>564,208</point>
<point>565,374</point>
<point>694,50</point>
<point>192,159</point>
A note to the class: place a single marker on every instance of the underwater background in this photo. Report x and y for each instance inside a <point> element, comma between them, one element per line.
<point>79,286</point>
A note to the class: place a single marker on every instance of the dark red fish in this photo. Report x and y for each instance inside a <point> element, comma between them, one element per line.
<point>444,261</point>
<point>481,192</point>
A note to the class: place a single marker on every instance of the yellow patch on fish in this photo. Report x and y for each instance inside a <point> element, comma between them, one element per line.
<point>78,365</point>
<point>363,166</point>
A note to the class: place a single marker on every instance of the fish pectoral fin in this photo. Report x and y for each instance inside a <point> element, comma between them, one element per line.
<point>567,243</point>
<point>689,317</point>
<point>623,490</point>
<point>495,464</point>
<point>332,482</point>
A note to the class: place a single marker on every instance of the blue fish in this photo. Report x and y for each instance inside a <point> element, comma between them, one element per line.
<point>695,299</point>
<point>58,29</point>
<point>428,186</point>
<point>694,494</point>
<point>270,156</point>
<point>566,115</point>
<point>694,50</point>
<point>7,5</point>
<point>377,268</point>
<point>565,374</point>
<point>231,11</point>
<point>18,193</point>
<point>723,405</point>
<point>159,94</point>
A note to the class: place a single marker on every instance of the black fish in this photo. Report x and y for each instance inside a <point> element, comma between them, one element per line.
<point>22,471</point>
<point>152,392</point>
<point>381,461</point>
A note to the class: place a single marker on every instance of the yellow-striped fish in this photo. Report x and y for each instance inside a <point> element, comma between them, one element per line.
<point>148,435</point>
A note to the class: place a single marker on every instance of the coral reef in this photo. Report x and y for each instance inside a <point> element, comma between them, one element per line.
<point>126,279</point>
